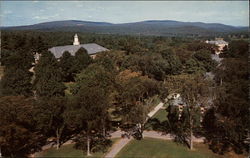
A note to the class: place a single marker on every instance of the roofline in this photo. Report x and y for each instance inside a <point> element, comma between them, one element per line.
<point>78,45</point>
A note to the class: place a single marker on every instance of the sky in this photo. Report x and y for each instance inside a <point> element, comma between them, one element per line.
<point>16,13</point>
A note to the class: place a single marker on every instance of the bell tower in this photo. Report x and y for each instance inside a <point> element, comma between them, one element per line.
<point>76,41</point>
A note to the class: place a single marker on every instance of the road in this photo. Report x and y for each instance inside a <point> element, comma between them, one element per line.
<point>155,110</point>
<point>117,147</point>
<point>155,134</point>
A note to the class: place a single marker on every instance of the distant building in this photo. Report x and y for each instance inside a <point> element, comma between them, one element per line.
<point>91,48</point>
<point>218,42</point>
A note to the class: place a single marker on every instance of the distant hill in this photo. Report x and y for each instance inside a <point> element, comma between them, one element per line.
<point>151,27</point>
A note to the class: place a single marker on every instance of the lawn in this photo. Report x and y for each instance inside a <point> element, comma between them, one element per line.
<point>69,151</point>
<point>161,115</point>
<point>68,87</point>
<point>156,148</point>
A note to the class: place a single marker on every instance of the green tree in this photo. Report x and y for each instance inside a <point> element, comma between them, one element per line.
<point>88,110</point>
<point>17,77</point>
<point>106,62</point>
<point>195,93</point>
<point>93,75</point>
<point>16,82</point>
<point>231,108</point>
<point>66,64</point>
<point>133,97</point>
<point>194,66</point>
<point>86,113</point>
<point>49,115</point>
<point>205,58</point>
<point>5,54</point>
<point>174,64</point>
<point>81,60</point>
<point>38,44</point>
<point>236,48</point>
<point>19,136</point>
<point>48,77</point>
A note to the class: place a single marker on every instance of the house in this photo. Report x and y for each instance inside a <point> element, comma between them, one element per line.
<point>91,48</point>
<point>177,101</point>
<point>218,42</point>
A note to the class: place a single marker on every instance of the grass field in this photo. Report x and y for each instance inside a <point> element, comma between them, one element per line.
<point>161,115</point>
<point>155,148</point>
<point>69,151</point>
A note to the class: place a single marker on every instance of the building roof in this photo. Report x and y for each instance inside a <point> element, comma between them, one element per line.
<point>217,42</point>
<point>92,48</point>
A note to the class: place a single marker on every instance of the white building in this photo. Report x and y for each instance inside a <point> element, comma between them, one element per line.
<point>91,48</point>
<point>218,42</point>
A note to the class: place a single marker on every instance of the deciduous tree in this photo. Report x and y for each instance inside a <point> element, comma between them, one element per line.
<point>86,113</point>
<point>195,93</point>
<point>49,115</point>
<point>19,136</point>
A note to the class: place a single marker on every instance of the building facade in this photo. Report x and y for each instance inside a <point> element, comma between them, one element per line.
<point>220,43</point>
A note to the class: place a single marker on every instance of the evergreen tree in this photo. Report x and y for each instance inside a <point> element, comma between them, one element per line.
<point>48,77</point>
<point>66,64</point>
<point>38,44</point>
<point>17,77</point>
<point>81,60</point>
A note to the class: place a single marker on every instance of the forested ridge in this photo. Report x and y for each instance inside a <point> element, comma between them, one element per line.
<point>168,28</point>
